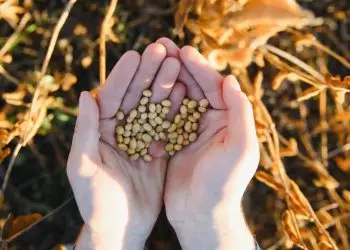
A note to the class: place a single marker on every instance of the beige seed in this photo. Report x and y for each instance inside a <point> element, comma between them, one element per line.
<point>140,145</point>
<point>120,115</point>
<point>185,101</point>
<point>134,157</point>
<point>141,109</point>
<point>153,123</point>
<point>147,157</point>
<point>166,103</point>
<point>144,100</point>
<point>122,146</point>
<point>192,137</point>
<point>202,109</point>
<point>203,103</point>
<point>141,121</point>
<point>191,119</point>
<point>173,140</point>
<point>178,147</point>
<point>120,138</point>
<point>158,108</point>
<point>172,153</point>
<point>136,128</point>
<point>194,126</point>
<point>139,136</point>
<point>152,107</point>
<point>152,115</point>
<point>132,143</point>
<point>192,104</point>
<point>188,126</point>
<point>165,110</point>
<point>163,116</point>
<point>128,126</point>
<point>180,124</point>
<point>172,135</point>
<point>147,93</point>
<point>143,152</point>
<point>152,132</point>
<point>129,119</point>
<point>196,115</point>
<point>144,116</point>
<point>127,133</point>
<point>147,127</point>
<point>158,120</point>
<point>184,115</point>
<point>133,113</point>
<point>190,111</point>
<point>126,140</point>
<point>183,109</point>
<point>162,136</point>
<point>146,138</point>
<point>186,142</point>
<point>166,124</point>
<point>120,130</point>
<point>179,131</point>
<point>177,118</point>
<point>172,128</point>
<point>185,134</point>
<point>156,137</point>
<point>159,128</point>
<point>180,139</point>
<point>169,147</point>
<point>131,151</point>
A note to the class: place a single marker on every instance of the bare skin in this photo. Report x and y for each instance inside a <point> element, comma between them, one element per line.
<point>120,199</point>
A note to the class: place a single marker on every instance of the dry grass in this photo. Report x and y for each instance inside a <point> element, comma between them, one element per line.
<point>298,86</point>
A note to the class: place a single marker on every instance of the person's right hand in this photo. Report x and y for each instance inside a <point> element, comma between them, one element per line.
<point>205,181</point>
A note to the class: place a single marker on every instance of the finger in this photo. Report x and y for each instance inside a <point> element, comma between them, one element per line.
<point>165,79</point>
<point>117,83</point>
<point>241,127</point>
<point>151,61</point>
<point>84,151</point>
<point>177,95</point>
<point>209,80</point>
<point>193,91</point>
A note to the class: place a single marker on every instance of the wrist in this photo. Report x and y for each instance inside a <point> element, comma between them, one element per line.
<point>90,240</point>
<point>219,230</point>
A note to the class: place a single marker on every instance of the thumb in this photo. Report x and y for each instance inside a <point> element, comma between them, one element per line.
<point>84,150</point>
<point>241,127</point>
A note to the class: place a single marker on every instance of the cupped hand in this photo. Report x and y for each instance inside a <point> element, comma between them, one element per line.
<point>205,181</point>
<point>120,199</point>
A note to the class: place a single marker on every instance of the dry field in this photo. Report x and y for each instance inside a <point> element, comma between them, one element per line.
<point>291,58</point>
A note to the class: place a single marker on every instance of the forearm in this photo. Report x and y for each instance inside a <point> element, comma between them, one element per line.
<point>217,233</point>
<point>88,240</point>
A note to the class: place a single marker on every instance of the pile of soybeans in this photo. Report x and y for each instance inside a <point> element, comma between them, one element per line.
<point>148,122</point>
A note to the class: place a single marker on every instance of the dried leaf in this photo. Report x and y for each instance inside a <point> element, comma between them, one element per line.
<point>346,195</point>
<point>270,181</point>
<point>10,11</point>
<point>309,93</point>
<point>324,217</point>
<point>16,225</point>
<point>291,149</point>
<point>290,230</point>
<point>299,203</point>
<point>343,163</point>
<point>185,6</point>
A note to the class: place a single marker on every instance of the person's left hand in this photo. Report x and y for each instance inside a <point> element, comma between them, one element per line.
<point>120,199</point>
